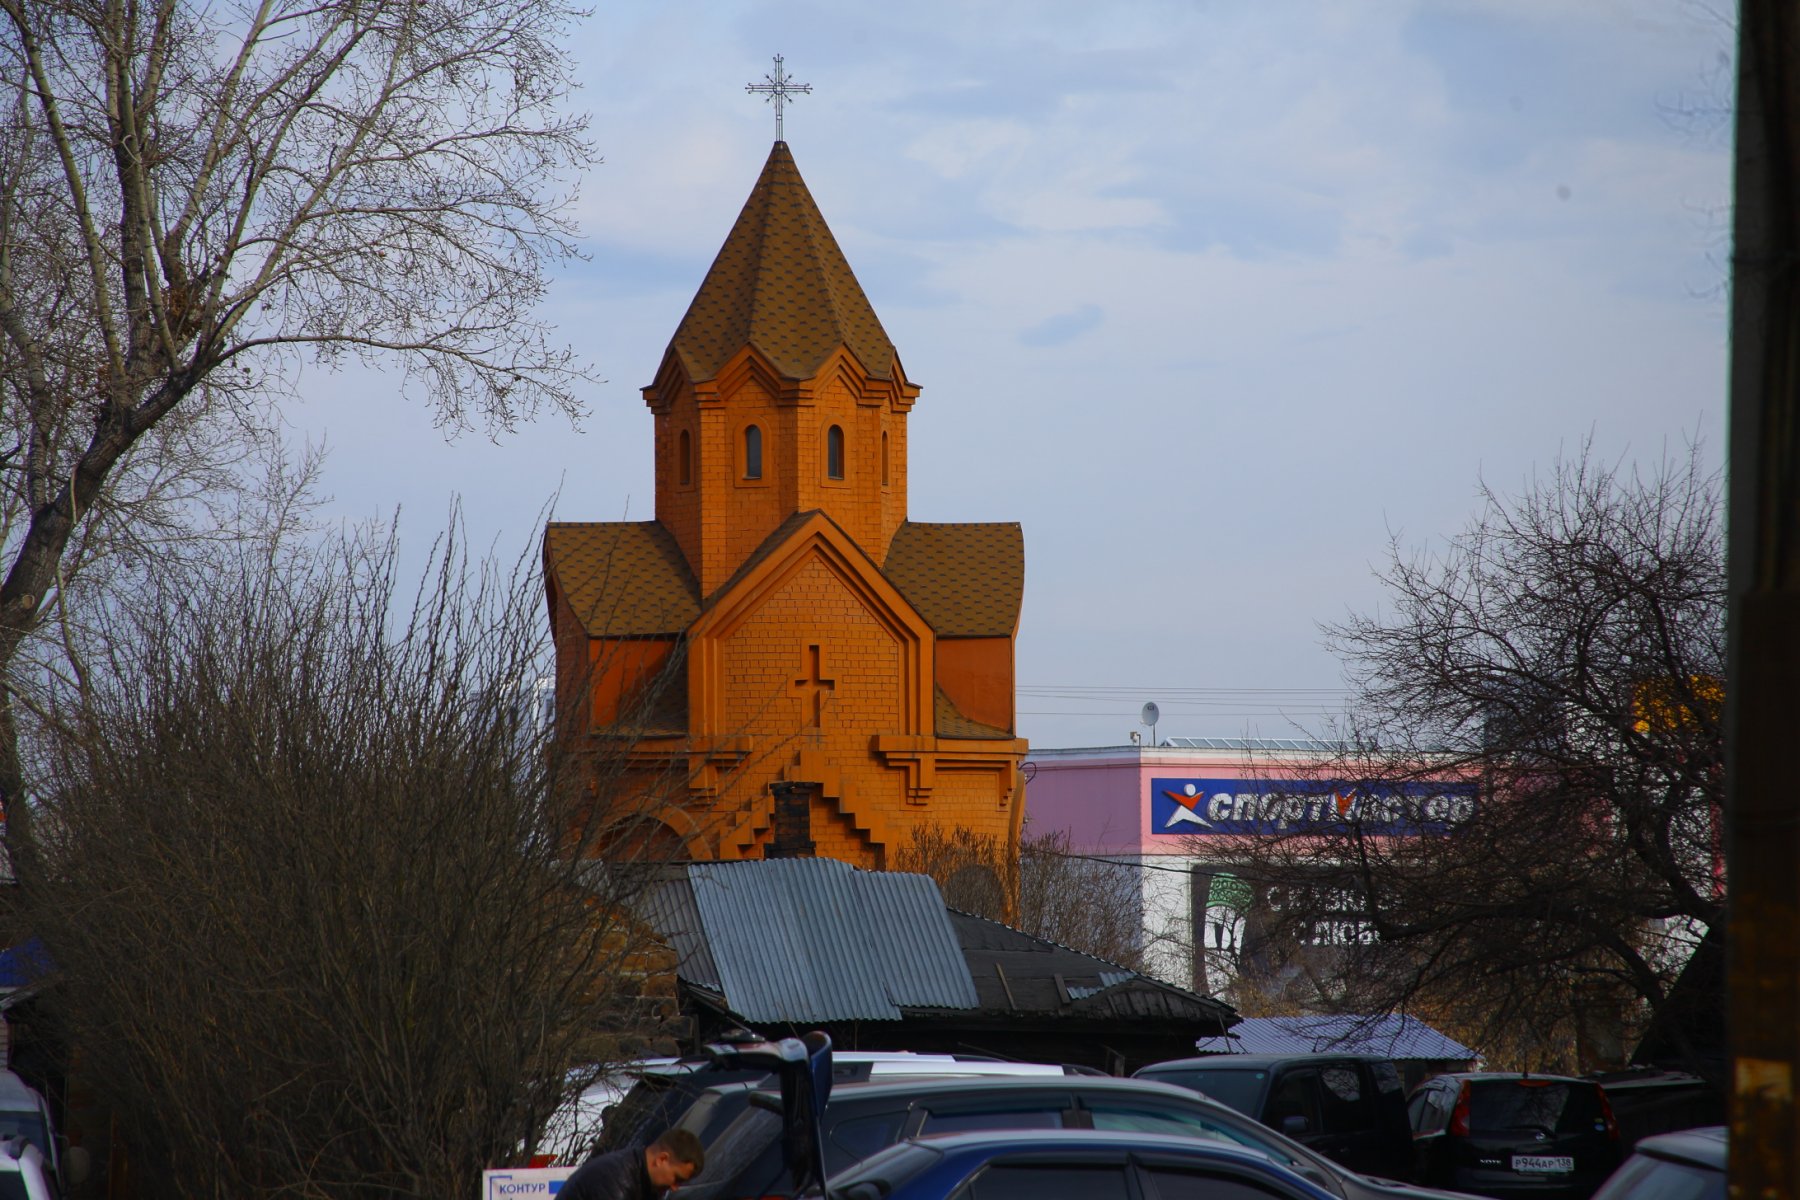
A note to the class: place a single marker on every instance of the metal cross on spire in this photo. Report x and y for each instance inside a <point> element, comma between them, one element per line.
<point>776,91</point>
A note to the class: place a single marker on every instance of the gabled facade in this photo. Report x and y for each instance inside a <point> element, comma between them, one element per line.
<point>821,639</point>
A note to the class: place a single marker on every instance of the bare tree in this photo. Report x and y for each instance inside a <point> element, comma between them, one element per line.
<point>318,885</point>
<point>1087,904</point>
<point>971,869</point>
<point>1565,654</point>
<point>193,195</point>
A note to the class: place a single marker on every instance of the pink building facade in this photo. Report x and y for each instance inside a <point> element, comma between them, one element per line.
<point>1156,809</point>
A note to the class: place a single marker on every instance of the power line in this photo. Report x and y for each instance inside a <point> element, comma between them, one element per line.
<point>1254,702</point>
<point>1113,862</point>
<point>1168,710</point>
<point>1138,690</point>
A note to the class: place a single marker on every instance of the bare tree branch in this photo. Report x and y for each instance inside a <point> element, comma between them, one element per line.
<point>189,191</point>
<point>1564,653</point>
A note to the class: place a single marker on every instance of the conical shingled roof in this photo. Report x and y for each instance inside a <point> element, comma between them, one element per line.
<point>781,284</point>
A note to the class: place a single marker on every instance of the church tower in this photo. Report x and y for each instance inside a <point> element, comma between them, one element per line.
<point>779,393</point>
<point>843,674</point>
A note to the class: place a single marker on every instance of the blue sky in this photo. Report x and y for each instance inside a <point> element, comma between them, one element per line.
<point>1212,297</point>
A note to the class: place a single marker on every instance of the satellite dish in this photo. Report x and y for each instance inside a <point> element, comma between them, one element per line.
<point>1150,714</point>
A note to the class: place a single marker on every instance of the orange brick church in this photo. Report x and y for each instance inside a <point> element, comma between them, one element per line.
<point>842,674</point>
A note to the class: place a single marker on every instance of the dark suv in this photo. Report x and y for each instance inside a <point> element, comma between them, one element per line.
<point>1548,1137</point>
<point>1348,1107</point>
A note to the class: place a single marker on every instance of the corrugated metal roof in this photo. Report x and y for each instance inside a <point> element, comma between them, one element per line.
<point>1391,1036</point>
<point>671,910</point>
<point>921,961</point>
<point>1217,743</point>
<point>813,939</point>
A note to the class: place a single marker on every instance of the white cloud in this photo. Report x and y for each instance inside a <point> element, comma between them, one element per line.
<point>1209,297</point>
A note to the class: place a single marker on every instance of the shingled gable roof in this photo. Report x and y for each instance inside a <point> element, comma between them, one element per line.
<point>780,284</point>
<point>622,578</point>
<point>630,579</point>
<point>966,580</point>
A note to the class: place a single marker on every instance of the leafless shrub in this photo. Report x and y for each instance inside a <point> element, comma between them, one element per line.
<point>1048,891</point>
<point>1087,904</point>
<point>971,869</point>
<point>314,880</point>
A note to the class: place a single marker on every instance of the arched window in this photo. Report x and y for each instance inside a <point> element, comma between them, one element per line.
<point>834,452</point>
<point>685,459</point>
<point>886,477</point>
<point>753,452</point>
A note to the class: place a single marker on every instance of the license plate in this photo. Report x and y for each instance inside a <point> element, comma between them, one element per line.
<point>1543,1164</point>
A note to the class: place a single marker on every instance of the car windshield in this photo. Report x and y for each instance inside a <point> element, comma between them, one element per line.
<point>1241,1089</point>
<point>661,1097</point>
<point>1497,1105</point>
<point>714,1111</point>
<point>746,1152</point>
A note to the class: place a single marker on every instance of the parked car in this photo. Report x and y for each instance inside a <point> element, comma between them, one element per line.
<point>633,1105</point>
<point>745,1158</point>
<point>1689,1165</point>
<point>1501,1134</point>
<point>22,1174</point>
<point>1067,1164</point>
<point>1347,1107</point>
<point>1647,1101</point>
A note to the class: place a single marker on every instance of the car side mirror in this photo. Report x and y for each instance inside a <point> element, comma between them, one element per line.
<point>1294,1126</point>
<point>75,1165</point>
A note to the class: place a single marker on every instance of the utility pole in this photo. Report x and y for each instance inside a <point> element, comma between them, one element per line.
<point>1762,730</point>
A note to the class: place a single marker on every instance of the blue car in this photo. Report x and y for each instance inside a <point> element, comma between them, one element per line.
<point>1689,1165</point>
<point>1068,1164</point>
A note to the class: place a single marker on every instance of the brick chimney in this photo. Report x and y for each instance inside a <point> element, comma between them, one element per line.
<point>793,821</point>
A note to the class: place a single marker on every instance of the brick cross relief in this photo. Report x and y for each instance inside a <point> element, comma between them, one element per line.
<point>815,685</point>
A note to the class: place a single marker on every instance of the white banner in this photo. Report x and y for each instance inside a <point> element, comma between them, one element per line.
<point>523,1183</point>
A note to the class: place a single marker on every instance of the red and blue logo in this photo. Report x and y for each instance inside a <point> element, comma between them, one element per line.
<point>1259,806</point>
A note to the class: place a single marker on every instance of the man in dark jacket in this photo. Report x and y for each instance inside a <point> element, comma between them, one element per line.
<point>638,1174</point>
